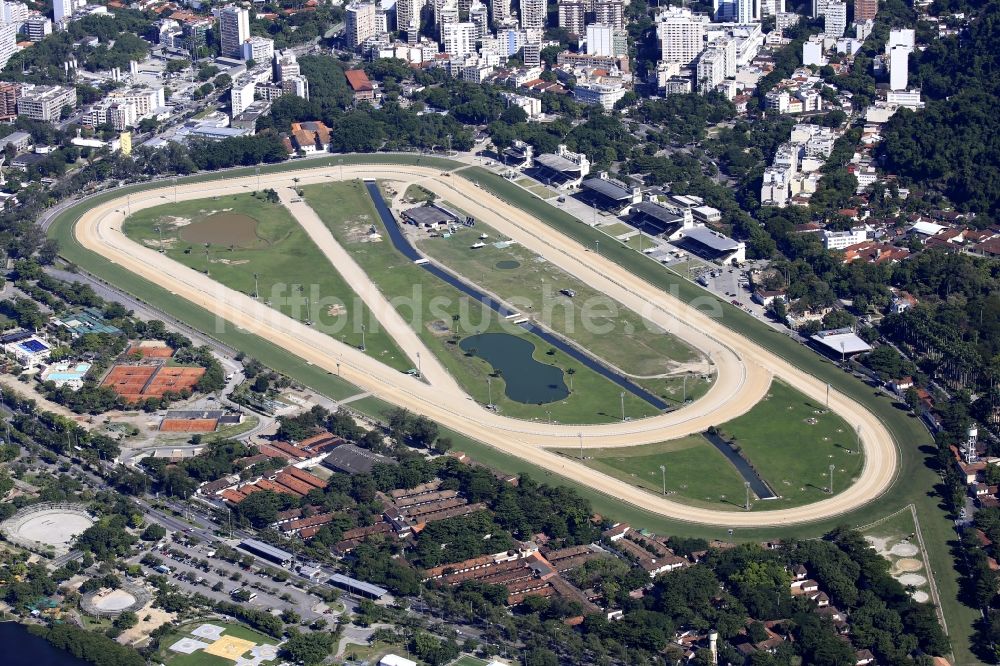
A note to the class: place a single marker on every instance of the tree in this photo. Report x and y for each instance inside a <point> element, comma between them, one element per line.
<point>153,532</point>
<point>126,620</point>
<point>307,649</point>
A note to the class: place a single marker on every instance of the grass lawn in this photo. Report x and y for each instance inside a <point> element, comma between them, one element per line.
<point>417,194</point>
<point>616,229</point>
<point>543,191</point>
<point>468,660</point>
<point>370,654</point>
<point>199,658</point>
<point>792,441</point>
<point>292,274</point>
<point>591,319</point>
<point>249,423</point>
<point>444,316</point>
<point>686,460</point>
<point>774,436</point>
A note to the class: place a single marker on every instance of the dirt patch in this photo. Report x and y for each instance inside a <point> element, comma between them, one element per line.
<point>229,229</point>
<point>336,310</point>
<point>439,327</point>
<point>908,564</point>
<point>358,233</point>
<point>149,619</point>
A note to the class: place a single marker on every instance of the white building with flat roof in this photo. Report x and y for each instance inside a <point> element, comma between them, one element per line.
<point>835,19</point>
<point>459,39</point>
<point>681,33</point>
<point>359,22</point>
<point>258,49</point>
<point>601,93</point>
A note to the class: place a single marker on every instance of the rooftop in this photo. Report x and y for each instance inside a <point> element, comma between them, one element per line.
<point>608,188</point>
<point>842,341</point>
<point>712,239</point>
<point>355,460</point>
<point>265,548</point>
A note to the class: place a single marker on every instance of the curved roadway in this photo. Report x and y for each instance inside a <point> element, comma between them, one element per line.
<point>744,370</point>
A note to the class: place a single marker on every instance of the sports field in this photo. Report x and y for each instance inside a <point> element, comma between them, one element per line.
<point>443,317</point>
<point>216,643</point>
<point>789,440</point>
<point>244,235</point>
<point>597,323</point>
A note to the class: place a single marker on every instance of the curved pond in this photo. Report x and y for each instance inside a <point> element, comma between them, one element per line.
<point>527,380</point>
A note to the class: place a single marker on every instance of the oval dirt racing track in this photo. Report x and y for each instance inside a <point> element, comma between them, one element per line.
<point>744,370</point>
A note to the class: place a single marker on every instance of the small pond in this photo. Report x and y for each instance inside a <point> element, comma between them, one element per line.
<point>527,380</point>
<point>229,229</point>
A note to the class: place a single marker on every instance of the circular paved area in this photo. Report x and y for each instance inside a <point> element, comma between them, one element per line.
<point>47,527</point>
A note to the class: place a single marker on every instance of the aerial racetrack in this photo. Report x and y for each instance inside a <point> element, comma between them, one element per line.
<point>744,370</point>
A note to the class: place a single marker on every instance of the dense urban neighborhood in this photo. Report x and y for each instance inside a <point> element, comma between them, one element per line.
<point>487,332</point>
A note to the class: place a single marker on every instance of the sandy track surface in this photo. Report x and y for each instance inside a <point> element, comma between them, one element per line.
<point>744,370</point>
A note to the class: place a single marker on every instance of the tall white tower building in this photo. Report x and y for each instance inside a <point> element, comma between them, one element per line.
<point>234,29</point>
<point>359,21</point>
<point>459,39</point>
<point>408,19</point>
<point>533,14</point>
<point>835,19</point>
<point>681,34</point>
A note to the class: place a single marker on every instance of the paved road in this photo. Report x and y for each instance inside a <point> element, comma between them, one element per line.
<point>744,369</point>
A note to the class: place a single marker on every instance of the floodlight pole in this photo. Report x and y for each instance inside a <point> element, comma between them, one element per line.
<point>489,388</point>
<point>580,435</point>
<point>663,474</point>
<point>832,467</point>
<point>256,287</point>
<point>828,397</point>
<point>746,506</point>
<point>363,346</point>
<point>419,373</point>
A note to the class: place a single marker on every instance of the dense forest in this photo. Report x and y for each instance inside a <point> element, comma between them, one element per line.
<point>953,145</point>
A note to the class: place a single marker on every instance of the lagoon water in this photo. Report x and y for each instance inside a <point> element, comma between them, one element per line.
<point>24,649</point>
<point>527,380</point>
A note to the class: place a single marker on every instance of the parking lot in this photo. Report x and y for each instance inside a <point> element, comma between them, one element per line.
<point>186,567</point>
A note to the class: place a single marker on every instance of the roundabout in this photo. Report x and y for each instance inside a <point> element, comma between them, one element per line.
<point>744,370</point>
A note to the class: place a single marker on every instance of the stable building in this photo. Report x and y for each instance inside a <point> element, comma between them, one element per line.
<point>352,459</point>
<point>429,216</point>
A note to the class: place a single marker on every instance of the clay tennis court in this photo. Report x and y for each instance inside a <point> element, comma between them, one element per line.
<point>189,425</point>
<point>138,382</point>
<point>148,351</point>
